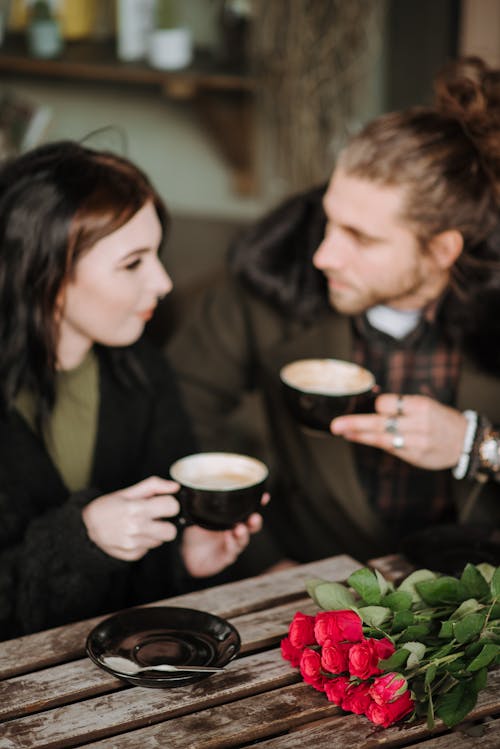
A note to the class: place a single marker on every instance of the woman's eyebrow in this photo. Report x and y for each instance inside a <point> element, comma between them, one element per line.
<point>136,251</point>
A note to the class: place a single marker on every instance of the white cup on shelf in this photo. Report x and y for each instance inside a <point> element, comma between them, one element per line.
<point>170,49</point>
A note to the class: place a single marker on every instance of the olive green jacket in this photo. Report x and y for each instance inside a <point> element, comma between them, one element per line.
<point>236,342</point>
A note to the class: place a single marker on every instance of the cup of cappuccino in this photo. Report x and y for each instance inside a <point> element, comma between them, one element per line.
<point>319,390</point>
<point>218,489</point>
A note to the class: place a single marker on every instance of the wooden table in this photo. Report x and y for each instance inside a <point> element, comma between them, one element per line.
<point>51,695</point>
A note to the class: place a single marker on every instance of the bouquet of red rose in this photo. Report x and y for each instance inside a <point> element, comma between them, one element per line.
<point>420,649</point>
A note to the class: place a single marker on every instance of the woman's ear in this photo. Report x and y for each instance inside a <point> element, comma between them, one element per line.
<point>59,304</point>
<point>446,248</point>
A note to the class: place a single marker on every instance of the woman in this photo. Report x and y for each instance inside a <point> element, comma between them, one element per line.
<point>87,426</point>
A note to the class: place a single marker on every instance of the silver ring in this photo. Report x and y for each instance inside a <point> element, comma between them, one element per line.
<point>399,406</point>
<point>398,442</point>
<point>391,425</point>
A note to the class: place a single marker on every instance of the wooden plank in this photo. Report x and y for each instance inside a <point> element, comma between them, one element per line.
<point>51,687</point>
<point>66,643</point>
<point>485,735</point>
<point>132,708</point>
<point>393,566</point>
<point>232,725</point>
<point>357,731</point>
<point>59,685</point>
<point>296,707</point>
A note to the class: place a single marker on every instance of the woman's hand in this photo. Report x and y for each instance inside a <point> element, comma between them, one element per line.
<point>415,428</point>
<point>207,552</point>
<point>128,523</point>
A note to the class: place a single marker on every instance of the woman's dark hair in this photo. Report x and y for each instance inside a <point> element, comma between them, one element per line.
<point>56,202</point>
<point>274,258</point>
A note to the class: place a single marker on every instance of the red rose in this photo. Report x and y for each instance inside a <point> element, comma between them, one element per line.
<point>363,659</point>
<point>357,698</point>
<point>384,648</point>
<point>386,715</point>
<point>339,626</point>
<point>289,653</point>
<point>301,630</point>
<point>388,687</point>
<point>334,656</point>
<point>310,668</point>
<point>335,689</point>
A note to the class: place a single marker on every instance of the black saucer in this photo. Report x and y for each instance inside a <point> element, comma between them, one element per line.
<point>164,634</point>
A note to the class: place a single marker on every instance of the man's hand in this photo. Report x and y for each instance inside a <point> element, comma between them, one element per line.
<point>432,434</point>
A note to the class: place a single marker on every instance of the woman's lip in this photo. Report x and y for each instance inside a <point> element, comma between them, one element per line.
<point>147,314</point>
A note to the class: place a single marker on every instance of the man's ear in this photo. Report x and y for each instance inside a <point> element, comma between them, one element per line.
<point>446,248</point>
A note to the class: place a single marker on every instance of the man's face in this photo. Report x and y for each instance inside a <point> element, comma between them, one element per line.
<point>369,255</point>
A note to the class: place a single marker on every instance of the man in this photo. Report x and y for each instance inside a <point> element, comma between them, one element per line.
<point>394,266</point>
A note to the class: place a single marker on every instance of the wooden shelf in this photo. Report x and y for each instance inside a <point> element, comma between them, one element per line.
<point>211,85</point>
<point>96,61</point>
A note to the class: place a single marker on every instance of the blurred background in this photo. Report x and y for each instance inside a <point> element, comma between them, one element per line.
<point>227,105</point>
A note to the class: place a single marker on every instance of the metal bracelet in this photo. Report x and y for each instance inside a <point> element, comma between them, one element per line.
<point>460,470</point>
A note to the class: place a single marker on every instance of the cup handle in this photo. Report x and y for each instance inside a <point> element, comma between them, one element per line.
<point>181,520</point>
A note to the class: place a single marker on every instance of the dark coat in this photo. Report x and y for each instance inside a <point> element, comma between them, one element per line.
<point>50,571</point>
<point>243,333</point>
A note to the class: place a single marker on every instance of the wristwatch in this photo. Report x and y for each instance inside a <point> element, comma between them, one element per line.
<point>489,452</point>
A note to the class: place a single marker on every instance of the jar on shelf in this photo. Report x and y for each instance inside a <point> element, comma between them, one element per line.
<point>43,31</point>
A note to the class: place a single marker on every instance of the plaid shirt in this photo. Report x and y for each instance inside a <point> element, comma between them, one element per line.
<point>406,497</point>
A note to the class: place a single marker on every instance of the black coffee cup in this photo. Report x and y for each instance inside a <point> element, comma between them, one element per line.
<point>218,489</point>
<point>319,390</point>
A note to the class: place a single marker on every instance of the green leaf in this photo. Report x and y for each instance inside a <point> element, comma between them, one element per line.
<point>415,632</point>
<point>400,600</point>
<point>402,620</point>
<point>417,652</point>
<point>480,679</point>
<point>410,582</point>
<point>456,704</point>
<point>469,627</point>
<point>430,714</point>
<point>384,585</point>
<point>474,583</point>
<point>495,583</point>
<point>473,649</point>
<point>374,616</point>
<point>486,570</point>
<point>311,585</point>
<point>366,584</point>
<point>430,674</point>
<point>495,611</point>
<point>445,649</point>
<point>441,591</point>
<point>487,655</point>
<point>333,596</point>
<point>446,630</point>
<point>470,606</point>
<point>455,667</point>
<point>395,661</point>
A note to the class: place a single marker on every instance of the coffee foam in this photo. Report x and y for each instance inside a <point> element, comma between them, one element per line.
<point>218,471</point>
<point>327,377</point>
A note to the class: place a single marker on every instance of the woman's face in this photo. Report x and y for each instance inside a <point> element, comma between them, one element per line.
<point>114,291</point>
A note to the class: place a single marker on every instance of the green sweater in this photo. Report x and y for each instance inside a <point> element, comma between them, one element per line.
<point>70,434</point>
